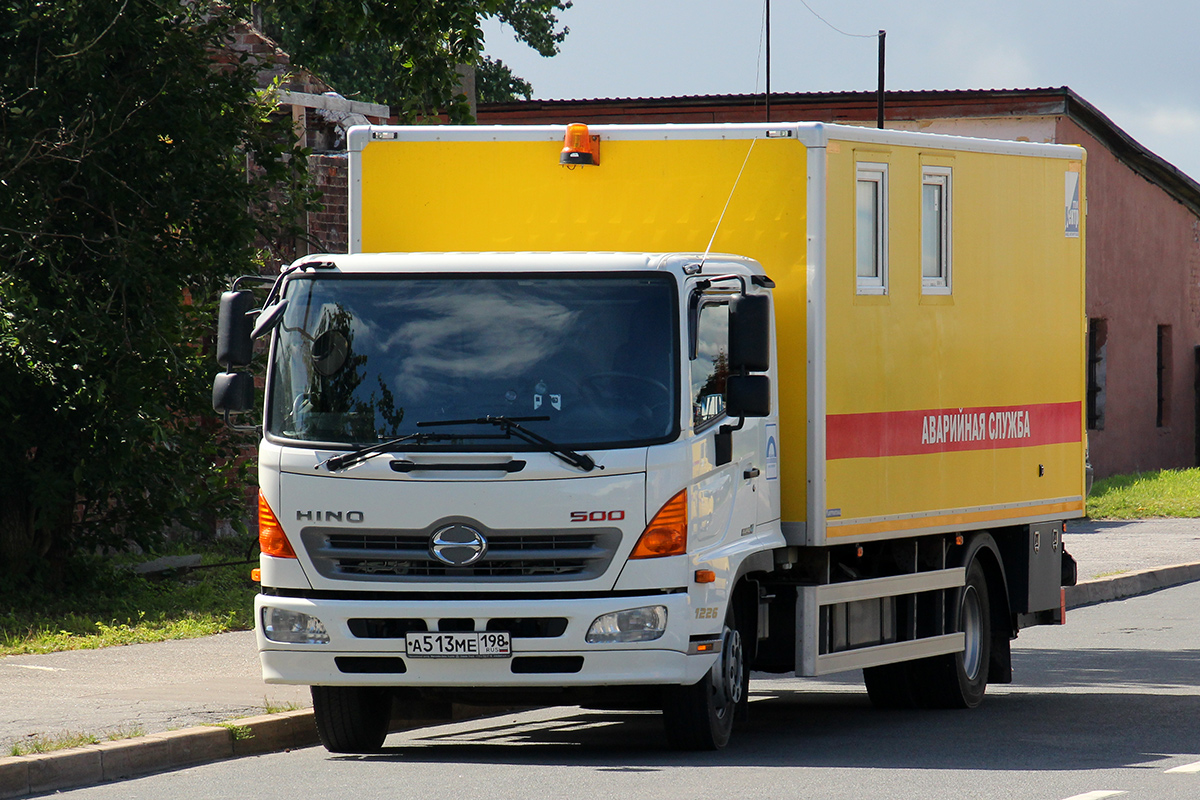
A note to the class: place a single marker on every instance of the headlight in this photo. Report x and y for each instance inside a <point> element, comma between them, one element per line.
<point>635,625</point>
<point>293,627</point>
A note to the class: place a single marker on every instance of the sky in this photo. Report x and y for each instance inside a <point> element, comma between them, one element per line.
<point>1137,61</point>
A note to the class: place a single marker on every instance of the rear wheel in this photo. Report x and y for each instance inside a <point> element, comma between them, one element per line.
<point>959,680</point>
<point>701,716</point>
<point>352,719</point>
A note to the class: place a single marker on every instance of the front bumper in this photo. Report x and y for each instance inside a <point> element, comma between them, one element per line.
<point>566,660</point>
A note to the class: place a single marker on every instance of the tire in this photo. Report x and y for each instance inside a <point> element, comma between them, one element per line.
<point>702,716</point>
<point>959,680</point>
<point>352,719</point>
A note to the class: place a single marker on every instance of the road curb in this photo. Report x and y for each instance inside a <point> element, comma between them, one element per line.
<point>77,767</point>
<point>1130,584</point>
<point>128,758</point>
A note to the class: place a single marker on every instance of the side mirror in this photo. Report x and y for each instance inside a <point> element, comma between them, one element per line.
<point>750,333</point>
<point>233,392</point>
<point>268,319</point>
<point>748,396</point>
<point>235,348</point>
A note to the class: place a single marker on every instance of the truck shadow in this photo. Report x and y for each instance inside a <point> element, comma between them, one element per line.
<point>1066,711</point>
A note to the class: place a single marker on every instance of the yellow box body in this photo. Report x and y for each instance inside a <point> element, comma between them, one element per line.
<point>855,371</point>
<point>975,398</point>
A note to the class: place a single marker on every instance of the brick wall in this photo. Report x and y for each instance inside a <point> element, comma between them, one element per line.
<point>271,62</point>
<point>328,229</point>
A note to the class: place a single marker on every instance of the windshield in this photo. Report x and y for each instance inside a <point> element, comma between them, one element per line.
<point>588,360</point>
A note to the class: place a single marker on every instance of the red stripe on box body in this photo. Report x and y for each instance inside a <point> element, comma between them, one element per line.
<point>908,433</point>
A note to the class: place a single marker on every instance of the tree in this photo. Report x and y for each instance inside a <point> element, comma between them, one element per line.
<point>496,83</point>
<point>138,167</point>
<point>405,52</point>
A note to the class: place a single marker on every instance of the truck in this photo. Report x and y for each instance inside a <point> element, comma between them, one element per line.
<point>614,415</point>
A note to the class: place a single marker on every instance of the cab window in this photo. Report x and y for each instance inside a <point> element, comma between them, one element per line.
<point>710,367</point>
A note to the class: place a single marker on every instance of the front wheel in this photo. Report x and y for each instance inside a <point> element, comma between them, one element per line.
<point>701,716</point>
<point>352,719</point>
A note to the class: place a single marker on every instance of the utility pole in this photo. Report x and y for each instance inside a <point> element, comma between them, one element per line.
<point>768,60</point>
<point>879,99</point>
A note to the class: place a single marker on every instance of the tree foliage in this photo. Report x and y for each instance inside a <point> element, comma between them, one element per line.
<point>496,83</point>
<point>126,201</point>
<point>139,169</point>
<point>405,52</point>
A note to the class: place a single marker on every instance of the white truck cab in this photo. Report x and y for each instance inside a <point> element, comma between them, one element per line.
<point>515,470</point>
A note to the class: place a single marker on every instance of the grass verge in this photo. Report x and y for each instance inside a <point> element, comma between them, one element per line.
<point>106,604</point>
<point>278,707</point>
<point>239,732</point>
<point>1142,495</point>
<point>37,744</point>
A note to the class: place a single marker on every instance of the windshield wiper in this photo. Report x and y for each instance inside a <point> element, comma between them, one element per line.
<point>363,453</point>
<point>512,426</point>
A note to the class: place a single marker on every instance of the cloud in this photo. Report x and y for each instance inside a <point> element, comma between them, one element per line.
<point>1000,65</point>
<point>969,54</point>
<point>1166,126</point>
<point>1173,121</point>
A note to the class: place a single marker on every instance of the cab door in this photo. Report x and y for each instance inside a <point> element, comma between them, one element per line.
<point>726,472</point>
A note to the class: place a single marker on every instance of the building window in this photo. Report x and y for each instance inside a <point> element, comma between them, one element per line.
<point>870,228</point>
<point>935,230</point>
<point>1097,372</point>
<point>1163,414</point>
<point>710,367</point>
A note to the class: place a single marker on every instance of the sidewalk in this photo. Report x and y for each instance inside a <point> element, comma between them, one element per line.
<point>1105,549</point>
<point>1123,559</point>
<point>165,690</point>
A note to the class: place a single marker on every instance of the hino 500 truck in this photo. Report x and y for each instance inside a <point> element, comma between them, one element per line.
<point>614,416</point>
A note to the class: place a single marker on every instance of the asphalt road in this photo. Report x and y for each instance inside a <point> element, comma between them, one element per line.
<point>1108,706</point>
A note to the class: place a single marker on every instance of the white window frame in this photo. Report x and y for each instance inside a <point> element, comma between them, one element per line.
<point>876,173</point>
<point>938,176</point>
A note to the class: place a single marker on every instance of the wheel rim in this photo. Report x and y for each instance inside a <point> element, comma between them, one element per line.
<point>972,628</point>
<point>727,676</point>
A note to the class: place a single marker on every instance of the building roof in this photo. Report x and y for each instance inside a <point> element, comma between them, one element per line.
<point>861,107</point>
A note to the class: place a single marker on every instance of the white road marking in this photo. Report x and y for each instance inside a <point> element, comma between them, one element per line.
<point>1099,794</point>
<point>1187,768</point>
<point>31,666</point>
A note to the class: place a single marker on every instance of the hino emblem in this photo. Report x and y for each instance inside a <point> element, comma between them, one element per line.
<point>457,545</point>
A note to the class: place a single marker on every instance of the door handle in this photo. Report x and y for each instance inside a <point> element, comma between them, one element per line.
<point>751,473</point>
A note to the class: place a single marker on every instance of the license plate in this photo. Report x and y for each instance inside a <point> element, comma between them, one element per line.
<point>490,644</point>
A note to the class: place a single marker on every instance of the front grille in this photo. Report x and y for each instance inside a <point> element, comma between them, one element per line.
<point>521,555</point>
<point>530,627</point>
<point>397,628</point>
<point>371,665</point>
<point>384,628</point>
<point>545,665</point>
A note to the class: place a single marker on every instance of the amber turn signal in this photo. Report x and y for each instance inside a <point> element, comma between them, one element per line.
<point>705,576</point>
<point>272,541</point>
<point>666,535</point>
